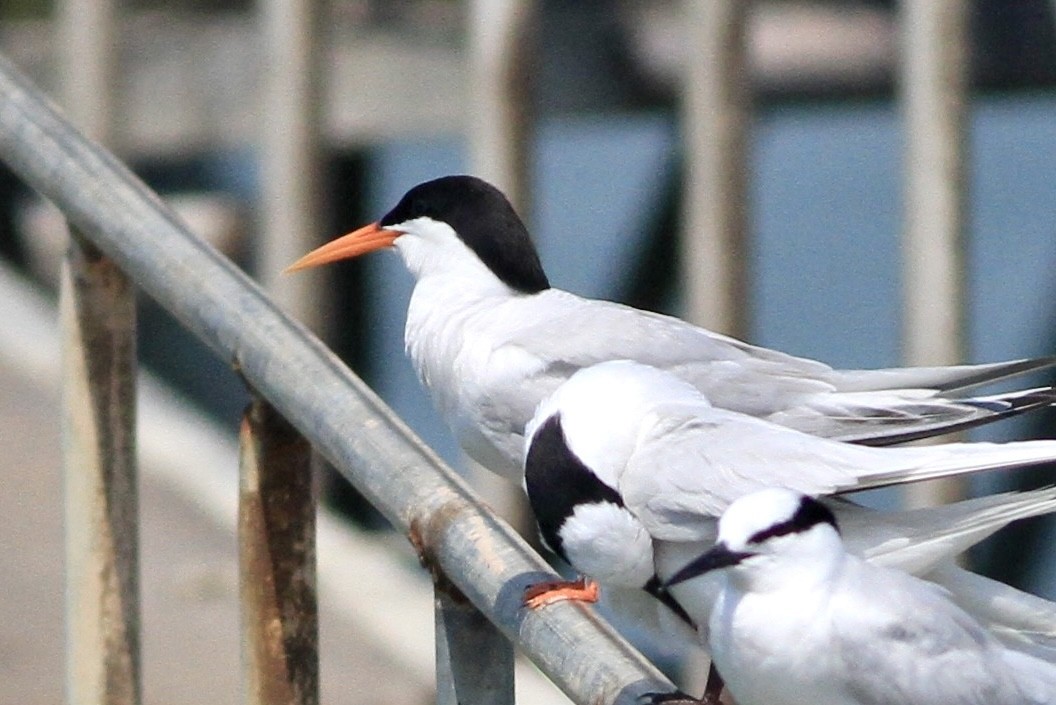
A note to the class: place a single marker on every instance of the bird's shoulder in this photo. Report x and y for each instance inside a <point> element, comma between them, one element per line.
<point>582,331</point>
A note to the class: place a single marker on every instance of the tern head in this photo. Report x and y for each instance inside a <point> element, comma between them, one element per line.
<point>769,539</point>
<point>454,223</point>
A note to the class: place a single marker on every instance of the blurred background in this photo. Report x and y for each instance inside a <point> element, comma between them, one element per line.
<point>275,126</point>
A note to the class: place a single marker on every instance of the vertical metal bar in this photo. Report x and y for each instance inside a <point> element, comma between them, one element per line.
<point>291,152</point>
<point>934,93</point>
<point>500,125</point>
<point>88,59</point>
<point>500,114</point>
<point>474,661</point>
<point>715,114</point>
<point>98,315</point>
<point>276,539</point>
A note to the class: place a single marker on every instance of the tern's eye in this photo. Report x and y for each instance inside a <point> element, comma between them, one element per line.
<point>418,207</point>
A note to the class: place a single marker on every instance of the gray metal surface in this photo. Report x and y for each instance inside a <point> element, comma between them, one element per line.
<point>289,127</point>
<point>308,385</point>
<point>500,66</point>
<point>934,88</point>
<point>715,125</point>
<point>474,661</point>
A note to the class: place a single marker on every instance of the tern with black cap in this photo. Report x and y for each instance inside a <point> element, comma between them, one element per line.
<point>798,619</point>
<point>490,338</point>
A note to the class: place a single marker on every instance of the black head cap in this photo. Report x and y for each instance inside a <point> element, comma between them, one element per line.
<point>484,220</point>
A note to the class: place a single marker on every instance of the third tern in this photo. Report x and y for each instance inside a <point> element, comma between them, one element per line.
<point>490,338</point>
<point>628,468</point>
<point>800,620</point>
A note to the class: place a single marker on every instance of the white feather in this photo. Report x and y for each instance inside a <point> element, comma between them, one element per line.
<point>489,355</point>
<point>801,620</point>
<point>678,462</point>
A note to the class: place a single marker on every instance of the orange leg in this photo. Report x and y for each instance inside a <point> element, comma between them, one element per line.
<point>547,593</point>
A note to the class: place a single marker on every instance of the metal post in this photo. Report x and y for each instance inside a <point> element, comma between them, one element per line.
<point>715,113</point>
<point>276,540</point>
<point>291,152</point>
<point>345,421</point>
<point>499,117</point>
<point>474,661</point>
<point>500,54</point>
<point>88,59</point>
<point>98,314</point>
<point>934,93</point>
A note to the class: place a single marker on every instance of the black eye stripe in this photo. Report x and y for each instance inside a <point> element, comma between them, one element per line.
<point>810,513</point>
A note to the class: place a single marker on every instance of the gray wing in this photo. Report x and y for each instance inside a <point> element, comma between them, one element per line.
<point>901,640</point>
<point>693,460</point>
<point>874,407</point>
<point>569,333</point>
<point>881,418</point>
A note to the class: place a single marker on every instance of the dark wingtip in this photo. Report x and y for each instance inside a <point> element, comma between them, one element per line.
<point>1000,407</point>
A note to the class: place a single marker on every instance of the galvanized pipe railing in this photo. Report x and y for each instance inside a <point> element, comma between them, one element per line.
<point>477,559</point>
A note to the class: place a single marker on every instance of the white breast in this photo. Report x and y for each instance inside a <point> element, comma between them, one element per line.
<point>607,543</point>
<point>483,389</point>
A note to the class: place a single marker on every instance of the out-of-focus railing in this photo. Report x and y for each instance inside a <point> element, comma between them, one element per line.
<point>125,239</point>
<point>129,239</point>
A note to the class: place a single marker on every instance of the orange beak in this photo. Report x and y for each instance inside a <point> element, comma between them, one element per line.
<point>366,239</point>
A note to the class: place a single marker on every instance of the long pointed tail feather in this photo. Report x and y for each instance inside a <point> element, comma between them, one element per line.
<point>971,412</point>
<point>942,379</point>
<point>918,540</point>
<point>955,459</point>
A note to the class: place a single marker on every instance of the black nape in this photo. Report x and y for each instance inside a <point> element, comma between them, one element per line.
<point>557,482</point>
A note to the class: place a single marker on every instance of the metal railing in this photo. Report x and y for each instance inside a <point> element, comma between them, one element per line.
<point>126,239</point>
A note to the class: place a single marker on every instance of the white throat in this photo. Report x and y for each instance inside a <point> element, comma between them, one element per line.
<point>431,249</point>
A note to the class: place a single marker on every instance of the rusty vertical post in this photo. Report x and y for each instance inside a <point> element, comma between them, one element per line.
<point>276,539</point>
<point>934,86</point>
<point>715,117</point>
<point>98,318</point>
<point>474,661</point>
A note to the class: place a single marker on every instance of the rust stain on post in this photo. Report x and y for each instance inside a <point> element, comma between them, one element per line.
<point>422,533</point>
<point>276,533</point>
<point>98,315</point>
